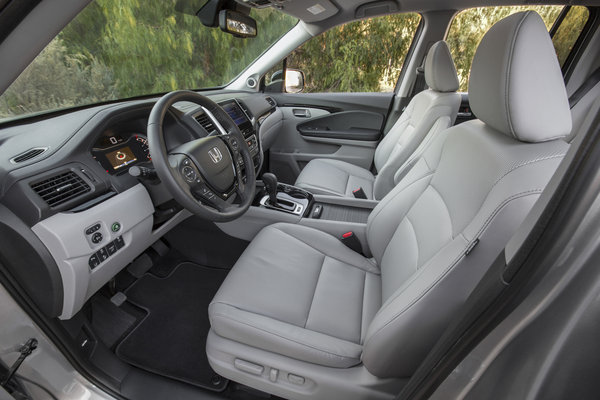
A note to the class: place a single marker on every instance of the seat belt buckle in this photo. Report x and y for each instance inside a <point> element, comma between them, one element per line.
<point>352,242</point>
<point>359,193</point>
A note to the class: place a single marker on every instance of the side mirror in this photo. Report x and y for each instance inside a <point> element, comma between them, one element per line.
<point>294,81</point>
<point>237,24</point>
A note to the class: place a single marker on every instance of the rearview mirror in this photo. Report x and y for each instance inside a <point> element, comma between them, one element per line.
<point>294,81</point>
<point>237,24</point>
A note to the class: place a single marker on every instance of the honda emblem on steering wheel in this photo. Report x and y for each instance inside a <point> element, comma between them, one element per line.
<point>215,155</point>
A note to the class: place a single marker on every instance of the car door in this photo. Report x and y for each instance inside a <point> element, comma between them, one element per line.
<point>349,75</point>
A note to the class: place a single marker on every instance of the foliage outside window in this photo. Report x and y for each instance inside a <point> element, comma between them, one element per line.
<point>469,26</point>
<point>362,56</point>
<point>116,49</point>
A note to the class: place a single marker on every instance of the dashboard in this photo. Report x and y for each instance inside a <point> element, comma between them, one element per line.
<point>74,214</point>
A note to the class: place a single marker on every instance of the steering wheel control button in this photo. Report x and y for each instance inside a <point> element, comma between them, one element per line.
<point>93,261</point>
<point>115,227</point>
<point>188,173</point>
<point>96,238</point>
<point>92,229</point>
<point>205,192</point>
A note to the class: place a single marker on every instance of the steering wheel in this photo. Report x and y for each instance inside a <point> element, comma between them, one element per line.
<point>203,175</point>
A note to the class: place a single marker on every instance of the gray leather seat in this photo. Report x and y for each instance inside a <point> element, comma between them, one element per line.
<point>430,111</point>
<point>301,304</point>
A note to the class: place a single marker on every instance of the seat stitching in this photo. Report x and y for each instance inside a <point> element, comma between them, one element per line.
<point>376,214</point>
<point>450,265</point>
<point>218,314</point>
<point>416,239</point>
<point>312,299</point>
<point>447,208</point>
<point>362,309</point>
<point>335,258</point>
<point>525,163</point>
<point>508,75</point>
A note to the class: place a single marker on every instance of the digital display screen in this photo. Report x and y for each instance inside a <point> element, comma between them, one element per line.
<point>121,158</point>
<point>235,112</point>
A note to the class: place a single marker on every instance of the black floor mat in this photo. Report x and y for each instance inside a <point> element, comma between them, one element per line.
<point>171,340</point>
<point>112,323</point>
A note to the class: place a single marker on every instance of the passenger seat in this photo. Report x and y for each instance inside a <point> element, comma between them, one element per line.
<point>430,111</point>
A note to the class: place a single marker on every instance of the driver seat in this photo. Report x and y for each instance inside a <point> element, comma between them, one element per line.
<point>300,315</point>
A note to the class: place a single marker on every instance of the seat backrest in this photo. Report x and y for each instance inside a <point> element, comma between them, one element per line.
<point>429,111</point>
<point>436,233</point>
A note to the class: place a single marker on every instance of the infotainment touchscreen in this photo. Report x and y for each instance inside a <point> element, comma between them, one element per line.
<point>235,112</point>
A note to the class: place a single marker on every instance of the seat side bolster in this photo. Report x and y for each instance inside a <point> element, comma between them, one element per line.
<point>282,338</point>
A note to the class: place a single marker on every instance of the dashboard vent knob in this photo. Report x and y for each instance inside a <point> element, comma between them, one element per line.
<point>60,188</point>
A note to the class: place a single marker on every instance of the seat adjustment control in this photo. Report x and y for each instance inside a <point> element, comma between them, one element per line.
<point>296,380</point>
<point>248,367</point>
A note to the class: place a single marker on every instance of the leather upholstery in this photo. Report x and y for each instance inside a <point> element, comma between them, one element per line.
<point>300,292</point>
<point>429,112</point>
<point>440,72</point>
<point>432,238</point>
<point>335,177</point>
<point>516,62</point>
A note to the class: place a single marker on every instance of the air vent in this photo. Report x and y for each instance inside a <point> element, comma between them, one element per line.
<point>61,188</point>
<point>206,122</point>
<point>28,155</point>
<point>271,101</point>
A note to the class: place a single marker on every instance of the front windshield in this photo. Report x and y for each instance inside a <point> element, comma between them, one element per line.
<point>116,49</point>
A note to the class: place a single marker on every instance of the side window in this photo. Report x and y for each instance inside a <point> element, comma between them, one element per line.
<point>469,26</point>
<point>361,56</point>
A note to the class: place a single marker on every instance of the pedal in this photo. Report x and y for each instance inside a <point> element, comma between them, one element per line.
<point>140,265</point>
<point>160,247</point>
<point>118,299</point>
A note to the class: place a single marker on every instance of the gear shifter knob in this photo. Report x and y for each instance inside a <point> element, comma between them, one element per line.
<point>270,181</point>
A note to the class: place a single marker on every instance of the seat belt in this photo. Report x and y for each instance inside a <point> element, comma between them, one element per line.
<point>585,87</point>
<point>419,84</point>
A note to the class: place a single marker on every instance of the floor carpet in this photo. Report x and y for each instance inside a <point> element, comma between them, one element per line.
<point>171,340</point>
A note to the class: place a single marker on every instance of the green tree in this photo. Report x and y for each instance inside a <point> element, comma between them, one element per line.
<point>55,80</point>
<point>362,56</point>
<point>469,26</point>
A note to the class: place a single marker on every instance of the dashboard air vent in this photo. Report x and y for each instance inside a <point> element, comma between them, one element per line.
<point>60,188</point>
<point>271,101</point>
<point>206,122</point>
<point>28,155</point>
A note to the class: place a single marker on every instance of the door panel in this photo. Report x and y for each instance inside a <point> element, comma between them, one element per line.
<point>341,126</point>
<point>350,125</point>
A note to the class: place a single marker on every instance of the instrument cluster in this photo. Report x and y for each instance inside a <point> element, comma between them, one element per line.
<point>118,152</point>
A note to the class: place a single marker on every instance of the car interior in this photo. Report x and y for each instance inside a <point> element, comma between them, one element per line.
<point>251,241</point>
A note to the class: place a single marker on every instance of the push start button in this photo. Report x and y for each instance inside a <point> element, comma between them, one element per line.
<point>116,227</point>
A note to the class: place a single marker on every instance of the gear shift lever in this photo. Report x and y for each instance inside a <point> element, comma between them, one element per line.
<point>270,181</point>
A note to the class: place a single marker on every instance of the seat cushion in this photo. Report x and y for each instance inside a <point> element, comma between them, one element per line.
<point>334,177</point>
<point>299,292</point>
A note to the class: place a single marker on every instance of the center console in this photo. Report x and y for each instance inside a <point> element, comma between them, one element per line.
<point>278,202</point>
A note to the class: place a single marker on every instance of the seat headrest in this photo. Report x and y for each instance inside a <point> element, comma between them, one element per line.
<point>440,72</point>
<point>516,85</point>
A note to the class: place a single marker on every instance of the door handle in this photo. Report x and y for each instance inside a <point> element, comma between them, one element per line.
<point>301,112</point>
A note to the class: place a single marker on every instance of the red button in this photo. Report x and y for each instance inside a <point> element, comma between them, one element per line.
<point>347,235</point>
